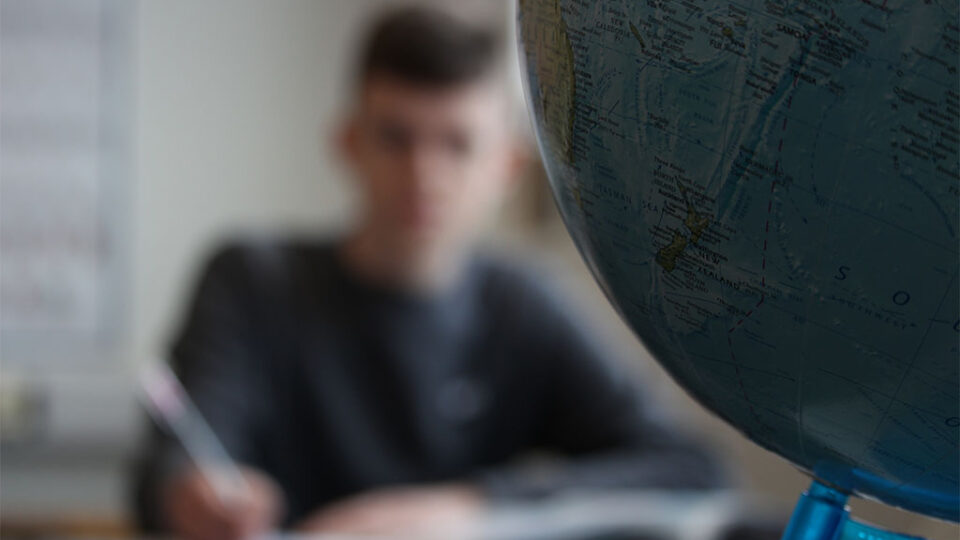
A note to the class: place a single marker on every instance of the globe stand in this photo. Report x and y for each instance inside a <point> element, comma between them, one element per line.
<point>822,514</point>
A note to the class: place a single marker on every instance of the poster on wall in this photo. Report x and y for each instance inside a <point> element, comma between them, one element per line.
<point>66,148</point>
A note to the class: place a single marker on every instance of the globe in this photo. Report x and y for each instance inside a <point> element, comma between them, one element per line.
<point>767,191</point>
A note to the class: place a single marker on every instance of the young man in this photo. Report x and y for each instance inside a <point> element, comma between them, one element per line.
<point>384,383</point>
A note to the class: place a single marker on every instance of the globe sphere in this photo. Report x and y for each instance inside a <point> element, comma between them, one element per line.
<point>768,194</point>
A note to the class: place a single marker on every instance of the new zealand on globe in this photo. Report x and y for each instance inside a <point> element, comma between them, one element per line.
<point>768,192</point>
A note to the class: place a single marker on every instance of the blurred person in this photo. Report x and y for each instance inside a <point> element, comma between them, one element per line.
<point>387,381</point>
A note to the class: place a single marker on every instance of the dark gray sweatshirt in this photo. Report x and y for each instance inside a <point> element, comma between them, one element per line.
<point>334,386</point>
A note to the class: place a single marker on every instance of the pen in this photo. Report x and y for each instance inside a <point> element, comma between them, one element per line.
<point>169,404</point>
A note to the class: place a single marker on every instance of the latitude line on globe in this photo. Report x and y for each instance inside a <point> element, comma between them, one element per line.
<point>743,390</point>
<point>913,359</point>
<point>667,67</point>
<point>881,392</point>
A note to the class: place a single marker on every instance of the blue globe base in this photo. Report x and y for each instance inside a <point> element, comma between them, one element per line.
<point>822,514</point>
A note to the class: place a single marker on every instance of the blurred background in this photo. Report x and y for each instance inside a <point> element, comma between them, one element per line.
<point>138,135</point>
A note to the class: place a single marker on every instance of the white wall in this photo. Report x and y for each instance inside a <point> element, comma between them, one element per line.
<point>235,101</point>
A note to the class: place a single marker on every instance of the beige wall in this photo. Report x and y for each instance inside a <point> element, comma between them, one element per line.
<point>235,103</point>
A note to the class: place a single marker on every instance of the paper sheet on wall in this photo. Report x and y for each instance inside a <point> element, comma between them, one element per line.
<point>64,171</point>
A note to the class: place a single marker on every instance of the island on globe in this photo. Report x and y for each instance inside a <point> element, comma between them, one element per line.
<point>768,193</point>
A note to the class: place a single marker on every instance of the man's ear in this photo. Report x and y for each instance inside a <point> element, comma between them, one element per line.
<point>346,140</point>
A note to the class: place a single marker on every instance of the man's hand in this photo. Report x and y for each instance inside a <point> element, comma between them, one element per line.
<point>445,511</point>
<point>193,510</point>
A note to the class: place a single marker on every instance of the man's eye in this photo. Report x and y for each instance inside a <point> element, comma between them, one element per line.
<point>393,137</point>
<point>458,144</point>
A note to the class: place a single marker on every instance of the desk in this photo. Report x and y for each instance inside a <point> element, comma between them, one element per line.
<point>635,515</point>
<point>608,515</point>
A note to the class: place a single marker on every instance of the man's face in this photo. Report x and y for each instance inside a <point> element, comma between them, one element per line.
<point>432,163</point>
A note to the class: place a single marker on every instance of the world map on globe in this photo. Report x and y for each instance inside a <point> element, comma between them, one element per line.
<point>767,191</point>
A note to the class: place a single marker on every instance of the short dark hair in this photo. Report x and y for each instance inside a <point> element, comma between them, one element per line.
<point>428,47</point>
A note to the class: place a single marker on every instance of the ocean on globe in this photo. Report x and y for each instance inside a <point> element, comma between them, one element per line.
<point>768,193</point>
